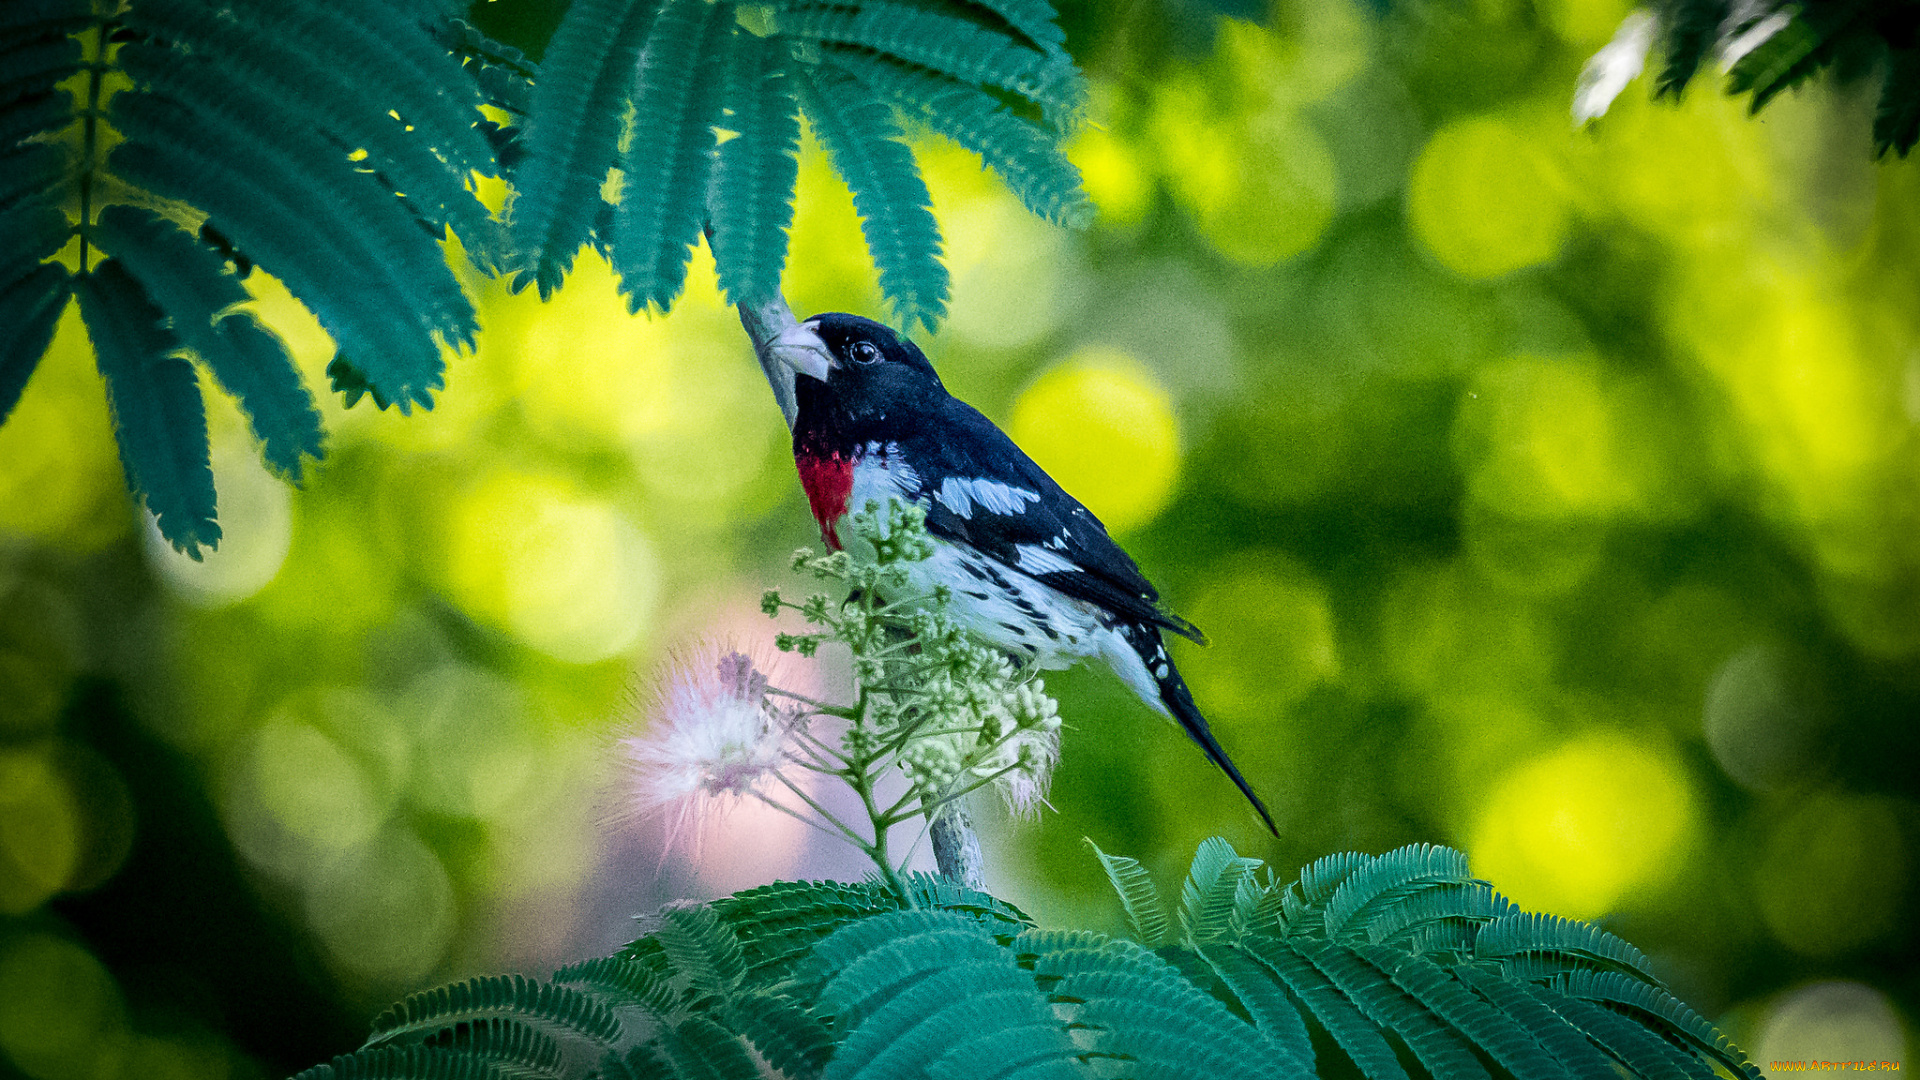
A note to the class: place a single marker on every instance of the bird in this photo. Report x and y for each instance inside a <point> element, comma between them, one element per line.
<point>1030,571</point>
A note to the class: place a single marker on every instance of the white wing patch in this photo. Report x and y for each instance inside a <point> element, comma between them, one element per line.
<point>1038,560</point>
<point>961,495</point>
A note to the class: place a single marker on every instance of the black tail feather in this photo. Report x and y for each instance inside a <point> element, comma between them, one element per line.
<point>1173,690</point>
<point>1178,701</point>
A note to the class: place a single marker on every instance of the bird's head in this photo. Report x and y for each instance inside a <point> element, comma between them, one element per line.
<point>855,368</point>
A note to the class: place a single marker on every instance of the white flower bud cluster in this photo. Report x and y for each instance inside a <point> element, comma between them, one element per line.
<point>954,713</point>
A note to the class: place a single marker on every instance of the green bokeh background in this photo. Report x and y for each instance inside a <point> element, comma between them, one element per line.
<point>1551,494</point>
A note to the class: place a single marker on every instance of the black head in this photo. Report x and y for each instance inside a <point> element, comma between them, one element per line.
<point>874,375</point>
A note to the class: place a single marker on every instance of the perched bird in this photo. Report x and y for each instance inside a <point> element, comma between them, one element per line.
<point>1031,571</point>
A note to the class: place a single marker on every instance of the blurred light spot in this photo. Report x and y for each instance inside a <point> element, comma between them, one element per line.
<point>1292,443</point>
<point>1478,737</point>
<point>1761,719</point>
<point>312,787</point>
<point>103,809</point>
<point>1385,306</point>
<point>385,910</point>
<point>1551,439</point>
<point>1272,633</point>
<point>1261,187</point>
<point>1830,1021</point>
<point>1104,428</point>
<point>681,394</point>
<point>1446,634</point>
<point>1691,170</point>
<point>176,1058</point>
<point>256,524</point>
<point>1581,830</point>
<point>1484,197</point>
<point>1585,23</point>
<point>1315,48</point>
<point>61,1017</point>
<point>40,829</point>
<point>62,484</point>
<point>1006,269</point>
<point>1175,322</point>
<point>476,755</point>
<point>34,691</point>
<point>1111,172</point>
<point>336,579</point>
<point>1528,556</point>
<point>1832,874</point>
<point>566,573</point>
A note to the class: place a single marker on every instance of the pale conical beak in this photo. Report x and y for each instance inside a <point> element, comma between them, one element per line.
<point>801,348</point>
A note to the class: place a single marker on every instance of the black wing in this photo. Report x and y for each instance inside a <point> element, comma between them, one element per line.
<point>1029,523</point>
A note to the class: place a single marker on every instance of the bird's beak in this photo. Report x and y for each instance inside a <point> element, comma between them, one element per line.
<point>800,347</point>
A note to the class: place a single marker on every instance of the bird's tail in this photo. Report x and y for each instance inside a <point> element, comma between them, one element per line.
<point>1177,701</point>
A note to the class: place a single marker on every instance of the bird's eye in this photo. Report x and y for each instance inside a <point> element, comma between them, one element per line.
<point>863,352</point>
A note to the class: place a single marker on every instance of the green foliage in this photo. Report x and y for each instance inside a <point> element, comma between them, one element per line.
<point>337,144</point>
<point>1853,38</point>
<point>286,133</point>
<point>846,981</point>
<point>991,75</point>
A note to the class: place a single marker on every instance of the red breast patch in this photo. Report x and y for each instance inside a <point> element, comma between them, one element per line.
<point>828,482</point>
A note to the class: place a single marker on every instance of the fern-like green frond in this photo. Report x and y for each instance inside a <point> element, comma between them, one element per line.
<point>1896,120</point>
<point>1026,157</point>
<point>1316,884</point>
<point>1004,1051</point>
<point>1389,878</point>
<point>274,67</point>
<point>622,982</point>
<point>408,1063</point>
<point>199,293</point>
<point>1780,63</point>
<point>779,924</point>
<point>1137,895</point>
<point>1141,1007</point>
<point>30,307</point>
<point>669,156</point>
<point>751,201</point>
<point>1462,905</point>
<point>996,916</point>
<point>701,948</point>
<point>927,1016</point>
<point>538,1002</point>
<point>154,396</point>
<point>784,1031</point>
<point>519,1048</point>
<point>1640,1050</point>
<point>1691,29</point>
<point>1568,1044</point>
<point>353,254</point>
<point>1512,1047</point>
<point>869,150</point>
<point>1562,943</point>
<point>954,47</point>
<point>1265,1000</point>
<point>1212,892</point>
<point>908,952</point>
<point>1355,1034</point>
<point>1439,1048</point>
<point>1654,1007</point>
<point>1034,19</point>
<point>36,51</point>
<point>573,133</point>
<point>700,1049</point>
